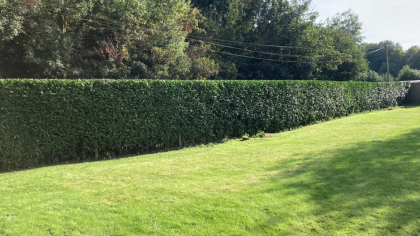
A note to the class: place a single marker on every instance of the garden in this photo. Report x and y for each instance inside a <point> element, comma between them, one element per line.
<point>343,160</point>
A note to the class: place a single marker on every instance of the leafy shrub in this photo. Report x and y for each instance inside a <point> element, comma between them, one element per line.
<point>56,121</point>
<point>407,73</point>
<point>260,134</point>
<point>225,140</point>
<point>372,76</point>
<point>245,137</point>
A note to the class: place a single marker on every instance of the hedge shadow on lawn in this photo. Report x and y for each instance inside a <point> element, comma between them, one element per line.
<point>410,105</point>
<point>370,187</point>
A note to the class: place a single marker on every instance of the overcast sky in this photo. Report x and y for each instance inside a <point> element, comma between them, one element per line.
<point>396,20</point>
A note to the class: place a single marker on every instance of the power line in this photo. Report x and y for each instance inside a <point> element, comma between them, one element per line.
<point>373,51</point>
<point>53,8</point>
<point>255,44</point>
<point>221,45</point>
<point>83,19</point>
<point>189,37</point>
<point>264,45</point>
<point>104,24</point>
<point>115,25</point>
<point>275,54</point>
<point>259,58</point>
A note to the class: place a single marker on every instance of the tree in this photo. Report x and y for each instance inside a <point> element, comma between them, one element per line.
<point>413,57</point>
<point>102,39</point>
<point>346,29</point>
<point>377,60</point>
<point>12,15</point>
<point>407,73</point>
<point>249,24</point>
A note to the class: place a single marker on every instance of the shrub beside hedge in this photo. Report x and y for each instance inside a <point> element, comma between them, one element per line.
<point>55,121</point>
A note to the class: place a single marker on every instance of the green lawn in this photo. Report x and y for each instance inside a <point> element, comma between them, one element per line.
<point>356,175</point>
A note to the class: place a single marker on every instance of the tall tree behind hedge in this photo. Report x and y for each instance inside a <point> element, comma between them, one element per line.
<point>412,57</point>
<point>377,60</point>
<point>346,29</point>
<point>100,38</point>
<point>270,22</point>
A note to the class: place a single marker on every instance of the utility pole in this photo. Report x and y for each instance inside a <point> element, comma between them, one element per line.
<point>387,63</point>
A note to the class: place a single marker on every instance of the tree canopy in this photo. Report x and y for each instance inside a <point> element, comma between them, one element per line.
<point>101,38</point>
<point>253,26</point>
<point>183,39</point>
<point>398,57</point>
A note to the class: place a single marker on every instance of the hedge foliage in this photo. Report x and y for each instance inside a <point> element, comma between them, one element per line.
<point>56,121</point>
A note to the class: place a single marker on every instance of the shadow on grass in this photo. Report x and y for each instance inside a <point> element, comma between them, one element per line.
<point>411,105</point>
<point>370,187</point>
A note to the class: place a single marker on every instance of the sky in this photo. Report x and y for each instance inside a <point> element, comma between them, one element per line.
<point>396,20</point>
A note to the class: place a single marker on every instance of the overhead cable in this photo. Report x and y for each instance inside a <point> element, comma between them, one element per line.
<point>221,45</point>
<point>222,40</point>
<point>259,58</point>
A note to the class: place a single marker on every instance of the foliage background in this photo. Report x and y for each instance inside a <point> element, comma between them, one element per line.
<point>189,39</point>
<point>100,39</point>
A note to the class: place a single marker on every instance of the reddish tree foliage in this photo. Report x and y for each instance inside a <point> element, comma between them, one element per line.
<point>31,3</point>
<point>107,50</point>
<point>188,27</point>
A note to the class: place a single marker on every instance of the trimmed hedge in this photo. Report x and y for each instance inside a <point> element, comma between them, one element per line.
<point>56,121</point>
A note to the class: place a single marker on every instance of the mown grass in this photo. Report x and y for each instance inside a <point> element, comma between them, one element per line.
<point>358,175</point>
